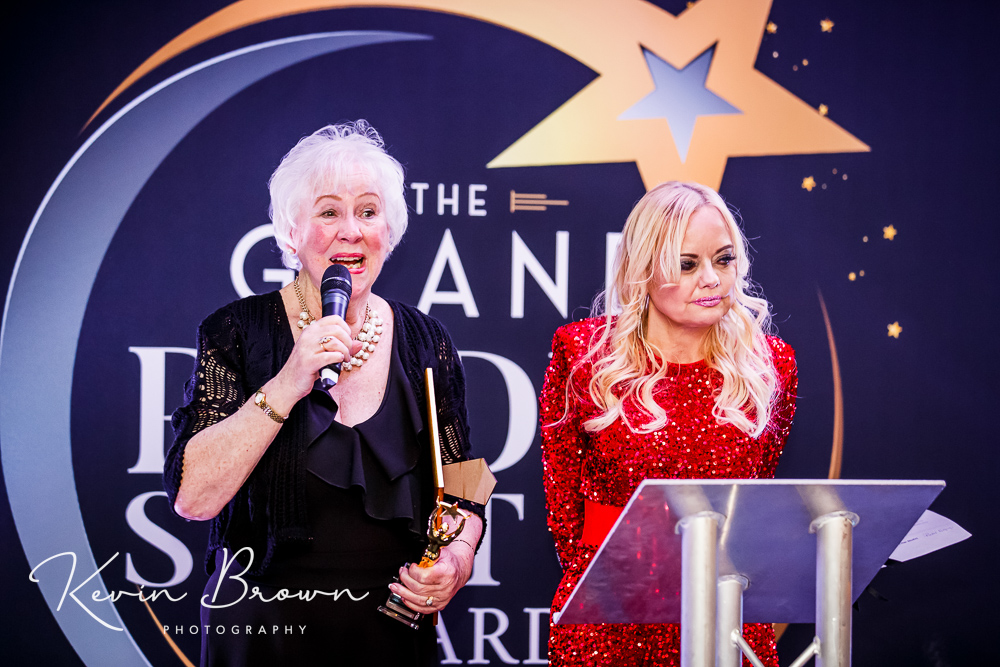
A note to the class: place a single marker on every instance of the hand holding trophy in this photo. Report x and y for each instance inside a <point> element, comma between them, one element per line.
<point>439,532</point>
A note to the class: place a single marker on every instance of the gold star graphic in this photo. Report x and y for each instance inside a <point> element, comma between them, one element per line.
<point>852,276</point>
<point>826,25</point>
<point>588,128</point>
<point>823,110</point>
<point>889,232</point>
<point>895,329</point>
<point>808,183</point>
<point>772,27</point>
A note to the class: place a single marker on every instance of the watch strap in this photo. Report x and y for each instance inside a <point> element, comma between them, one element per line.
<point>260,400</point>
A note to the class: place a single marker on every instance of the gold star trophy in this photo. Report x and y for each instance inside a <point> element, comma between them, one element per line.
<point>439,533</point>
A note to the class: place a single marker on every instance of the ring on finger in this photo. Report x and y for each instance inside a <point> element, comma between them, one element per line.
<point>324,340</point>
<point>429,601</point>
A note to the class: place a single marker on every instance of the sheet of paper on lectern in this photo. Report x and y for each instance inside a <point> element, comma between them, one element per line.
<point>931,532</point>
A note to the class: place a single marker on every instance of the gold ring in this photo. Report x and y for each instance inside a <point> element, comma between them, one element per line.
<point>429,601</point>
<point>323,341</point>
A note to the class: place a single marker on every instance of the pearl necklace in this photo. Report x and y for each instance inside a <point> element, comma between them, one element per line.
<point>371,332</point>
<point>369,336</point>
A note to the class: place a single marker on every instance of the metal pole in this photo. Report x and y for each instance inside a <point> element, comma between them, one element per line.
<point>730,591</point>
<point>699,535</point>
<point>834,533</point>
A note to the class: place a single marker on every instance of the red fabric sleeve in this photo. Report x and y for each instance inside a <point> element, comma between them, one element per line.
<point>563,441</point>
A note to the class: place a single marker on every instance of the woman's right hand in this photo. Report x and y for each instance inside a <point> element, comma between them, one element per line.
<point>326,341</point>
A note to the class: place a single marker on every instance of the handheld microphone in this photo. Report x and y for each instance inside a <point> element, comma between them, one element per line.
<point>335,291</point>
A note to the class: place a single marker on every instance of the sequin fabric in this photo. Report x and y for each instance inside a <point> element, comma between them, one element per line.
<point>607,466</point>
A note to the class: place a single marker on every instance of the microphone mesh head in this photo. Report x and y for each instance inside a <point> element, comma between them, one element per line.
<point>336,277</point>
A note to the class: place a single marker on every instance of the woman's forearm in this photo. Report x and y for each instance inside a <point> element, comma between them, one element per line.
<point>464,547</point>
<point>218,459</point>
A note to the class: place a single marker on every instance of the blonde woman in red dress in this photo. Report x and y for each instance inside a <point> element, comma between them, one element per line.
<point>684,383</point>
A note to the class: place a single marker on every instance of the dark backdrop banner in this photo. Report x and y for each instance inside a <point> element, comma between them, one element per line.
<point>856,140</point>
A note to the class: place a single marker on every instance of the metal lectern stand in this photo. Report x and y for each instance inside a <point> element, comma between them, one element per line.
<point>715,554</point>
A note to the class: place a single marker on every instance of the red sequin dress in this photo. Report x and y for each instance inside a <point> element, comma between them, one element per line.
<point>606,467</point>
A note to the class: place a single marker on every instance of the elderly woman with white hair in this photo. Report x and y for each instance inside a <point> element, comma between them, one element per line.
<point>324,494</point>
<point>683,383</point>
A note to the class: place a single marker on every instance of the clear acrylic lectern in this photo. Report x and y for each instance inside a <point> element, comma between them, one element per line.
<point>715,554</point>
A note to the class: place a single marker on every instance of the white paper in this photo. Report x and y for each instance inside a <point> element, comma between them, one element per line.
<point>931,532</point>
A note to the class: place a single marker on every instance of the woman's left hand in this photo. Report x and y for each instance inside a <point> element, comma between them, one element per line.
<point>430,589</point>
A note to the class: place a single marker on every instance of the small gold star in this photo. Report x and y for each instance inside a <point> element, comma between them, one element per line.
<point>864,239</point>
<point>851,276</point>
<point>862,273</point>
<point>895,329</point>
<point>826,25</point>
<point>808,183</point>
<point>823,110</point>
<point>888,232</point>
<point>805,63</point>
<point>772,27</point>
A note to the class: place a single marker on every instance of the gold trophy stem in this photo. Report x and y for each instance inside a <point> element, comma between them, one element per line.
<point>438,534</point>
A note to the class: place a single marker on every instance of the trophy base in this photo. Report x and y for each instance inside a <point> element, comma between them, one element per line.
<point>395,608</point>
<point>438,535</point>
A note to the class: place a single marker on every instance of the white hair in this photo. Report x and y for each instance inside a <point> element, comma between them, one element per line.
<point>324,161</point>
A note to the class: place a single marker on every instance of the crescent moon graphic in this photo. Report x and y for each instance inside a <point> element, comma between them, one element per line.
<point>78,219</point>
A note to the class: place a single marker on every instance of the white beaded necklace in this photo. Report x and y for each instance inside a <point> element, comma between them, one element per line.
<point>370,334</point>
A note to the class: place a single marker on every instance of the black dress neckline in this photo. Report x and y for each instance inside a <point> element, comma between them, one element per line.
<point>382,456</point>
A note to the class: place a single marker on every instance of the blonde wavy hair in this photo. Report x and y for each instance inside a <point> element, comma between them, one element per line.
<point>736,346</point>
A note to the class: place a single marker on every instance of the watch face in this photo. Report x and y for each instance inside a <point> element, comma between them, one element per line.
<point>258,398</point>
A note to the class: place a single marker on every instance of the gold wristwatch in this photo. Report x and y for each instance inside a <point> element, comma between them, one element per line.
<point>260,400</point>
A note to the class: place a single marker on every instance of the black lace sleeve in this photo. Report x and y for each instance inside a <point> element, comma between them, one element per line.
<point>215,390</point>
<point>455,441</point>
<point>429,345</point>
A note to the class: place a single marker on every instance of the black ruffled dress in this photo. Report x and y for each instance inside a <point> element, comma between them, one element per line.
<point>363,499</point>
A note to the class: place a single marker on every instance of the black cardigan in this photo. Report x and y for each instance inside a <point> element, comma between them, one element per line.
<point>243,345</point>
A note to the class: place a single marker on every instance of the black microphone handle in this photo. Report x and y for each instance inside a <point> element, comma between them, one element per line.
<point>336,294</point>
<point>336,305</point>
